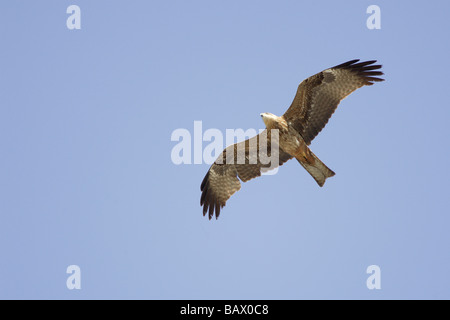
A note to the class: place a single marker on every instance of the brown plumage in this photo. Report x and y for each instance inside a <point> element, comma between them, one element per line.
<point>316,100</point>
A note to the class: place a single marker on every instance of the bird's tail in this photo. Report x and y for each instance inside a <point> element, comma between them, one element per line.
<point>316,168</point>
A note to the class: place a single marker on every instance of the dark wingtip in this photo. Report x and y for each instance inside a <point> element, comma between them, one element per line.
<point>209,202</point>
<point>211,207</point>
<point>205,180</point>
<point>205,209</point>
<point>217,210</point>
<point>364,69</point>
<point>346,64</point>
<point>204,189</point>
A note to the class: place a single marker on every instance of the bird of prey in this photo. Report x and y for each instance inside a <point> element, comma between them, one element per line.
<point>316,100</point>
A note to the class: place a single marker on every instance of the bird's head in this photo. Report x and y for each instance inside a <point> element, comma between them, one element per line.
<point>268,118</point>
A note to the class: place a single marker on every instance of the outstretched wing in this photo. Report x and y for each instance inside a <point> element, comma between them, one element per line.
<point>245,161</point>
<point>318,96</point>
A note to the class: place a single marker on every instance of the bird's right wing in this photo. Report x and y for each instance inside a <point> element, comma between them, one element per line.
<point>244,161</point>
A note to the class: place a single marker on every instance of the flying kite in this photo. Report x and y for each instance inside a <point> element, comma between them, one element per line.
<point>316,100</point>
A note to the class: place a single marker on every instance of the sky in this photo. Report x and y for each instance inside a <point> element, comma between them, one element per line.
<point>87,177</point>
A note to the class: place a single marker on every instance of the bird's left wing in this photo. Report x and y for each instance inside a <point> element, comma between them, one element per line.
<point>318,96</point>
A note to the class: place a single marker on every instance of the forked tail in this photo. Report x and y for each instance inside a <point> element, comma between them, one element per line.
<point>316,168</point>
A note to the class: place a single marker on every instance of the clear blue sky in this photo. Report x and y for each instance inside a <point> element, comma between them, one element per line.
<point>86,176</point>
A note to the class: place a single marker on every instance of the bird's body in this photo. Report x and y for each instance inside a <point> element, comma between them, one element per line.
<point>291,142</point>
<point>316,100</point>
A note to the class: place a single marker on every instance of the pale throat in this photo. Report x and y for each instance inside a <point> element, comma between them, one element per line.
<point>274,122</point>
